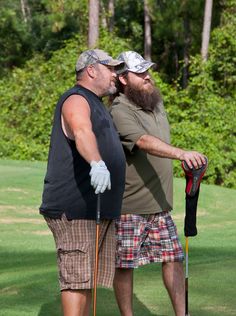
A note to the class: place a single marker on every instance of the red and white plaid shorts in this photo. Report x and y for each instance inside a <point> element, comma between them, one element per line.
<point>143,239</point>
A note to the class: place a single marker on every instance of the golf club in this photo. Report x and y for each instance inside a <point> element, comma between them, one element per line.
<point>186,277</point>
<point>96,255</point>
<point>193,179</point>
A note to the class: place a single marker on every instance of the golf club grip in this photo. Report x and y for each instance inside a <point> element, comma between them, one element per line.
<point>193,177</point>
<point>98,211</point>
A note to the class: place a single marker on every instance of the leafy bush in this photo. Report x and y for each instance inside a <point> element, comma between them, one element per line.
<point>202,119</point>
<point>28,97</point>
<point>202,116</point>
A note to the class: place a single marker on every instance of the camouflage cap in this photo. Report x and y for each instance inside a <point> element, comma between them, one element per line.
<point>93,56</point>
<point>134,62</point>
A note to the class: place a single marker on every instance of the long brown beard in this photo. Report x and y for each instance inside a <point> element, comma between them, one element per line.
<point>148,100</point>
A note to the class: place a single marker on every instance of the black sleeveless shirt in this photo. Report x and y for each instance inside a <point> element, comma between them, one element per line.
<point>67,187</point>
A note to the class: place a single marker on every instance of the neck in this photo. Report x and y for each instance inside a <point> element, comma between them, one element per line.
<point>88,86</point>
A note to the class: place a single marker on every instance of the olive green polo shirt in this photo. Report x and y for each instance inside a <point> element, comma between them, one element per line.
<point>149,179</point>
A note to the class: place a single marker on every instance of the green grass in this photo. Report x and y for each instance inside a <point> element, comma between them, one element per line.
<point>28,275</point>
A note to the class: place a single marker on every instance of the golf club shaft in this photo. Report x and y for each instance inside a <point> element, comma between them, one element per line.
<point>186,276</point>
<point>96,255</point>
<point>95,272</point>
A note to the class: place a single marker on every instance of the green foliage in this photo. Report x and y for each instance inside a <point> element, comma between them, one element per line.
<point>13,47</point>
<point>202,119</point>
<point>206,125</point>
<point>202,116</point>
<point>129,22</point>
<point>176,29</point>
<point>28,97</point>
<point>112,44</point>
<point>53,22</point>
<point>48,24</point>
<point>222,57</point>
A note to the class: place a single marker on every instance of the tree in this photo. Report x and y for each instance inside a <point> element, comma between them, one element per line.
<point>187,42</point>
<point>93,23</point>
<point>111,14</point>
<point>28,27</point>
<point>108,14</point>
<point>206,29</point>
<point>175,31</point>
<point>147,31</point>
<point>129,22</point>
<point>25,9</point>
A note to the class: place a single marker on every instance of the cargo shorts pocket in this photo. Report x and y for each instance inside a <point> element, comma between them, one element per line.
<point>74,263</point>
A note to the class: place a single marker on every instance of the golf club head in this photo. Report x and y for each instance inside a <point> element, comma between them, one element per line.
<point>194,177</point>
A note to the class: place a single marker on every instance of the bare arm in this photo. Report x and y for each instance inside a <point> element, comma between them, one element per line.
<point>155,146</point>
<point>77,126</point>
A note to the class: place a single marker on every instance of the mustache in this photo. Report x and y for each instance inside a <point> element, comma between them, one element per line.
<point>150,81</point>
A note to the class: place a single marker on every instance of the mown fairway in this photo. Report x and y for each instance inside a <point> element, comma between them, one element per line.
<point>28,275</point>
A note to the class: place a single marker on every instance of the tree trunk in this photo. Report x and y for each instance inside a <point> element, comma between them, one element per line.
<point>176,62</point>
<point>187,41</point>
<point>206,29</point>
<point>93,23</point>
<point>111,13</point>
<point>147,32</point>
<point>103,13</point>
<point>108,14</point>
<point>25,9</point>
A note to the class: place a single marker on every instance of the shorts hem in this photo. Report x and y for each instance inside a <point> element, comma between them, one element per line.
<point>143,263</point>
<point>84,286</point>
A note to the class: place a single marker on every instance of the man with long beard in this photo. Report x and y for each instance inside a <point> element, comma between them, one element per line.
<point>146,232</point>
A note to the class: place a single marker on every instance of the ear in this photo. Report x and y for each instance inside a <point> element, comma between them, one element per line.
<point>91,71</point>
<point>123,79</point>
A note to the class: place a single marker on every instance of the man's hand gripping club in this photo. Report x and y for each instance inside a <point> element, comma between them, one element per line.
<point>100,176</point>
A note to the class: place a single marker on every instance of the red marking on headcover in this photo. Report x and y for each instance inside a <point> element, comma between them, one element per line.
<point>194,177</point>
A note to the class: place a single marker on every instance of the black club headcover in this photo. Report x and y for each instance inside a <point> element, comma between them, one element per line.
<point>193,179</point>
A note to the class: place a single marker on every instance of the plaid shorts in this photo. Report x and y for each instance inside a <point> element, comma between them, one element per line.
<point>143,239</point>
<point>75,244</point>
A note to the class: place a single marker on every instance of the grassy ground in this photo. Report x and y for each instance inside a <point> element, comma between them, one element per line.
<point>28,275</point>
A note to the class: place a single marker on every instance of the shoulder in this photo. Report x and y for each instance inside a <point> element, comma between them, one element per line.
<point>120,110</point>
<point>121,104</point>
<point>75,103</point>
<point>74,95</point>
<point>76,99</point>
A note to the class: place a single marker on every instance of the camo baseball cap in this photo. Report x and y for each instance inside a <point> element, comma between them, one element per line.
<point>93,56</point>
<point>134,62</point>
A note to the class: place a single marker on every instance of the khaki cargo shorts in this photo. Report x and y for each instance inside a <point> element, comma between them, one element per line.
<point>75,244</point>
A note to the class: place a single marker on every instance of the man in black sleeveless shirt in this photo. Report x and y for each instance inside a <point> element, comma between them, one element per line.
<point>85,158</point>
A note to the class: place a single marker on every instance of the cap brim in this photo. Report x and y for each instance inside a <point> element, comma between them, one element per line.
<point>112,62</point>
<point>144,66</point>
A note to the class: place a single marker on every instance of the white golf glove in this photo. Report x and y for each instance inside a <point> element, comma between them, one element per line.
<point>100,176</point>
